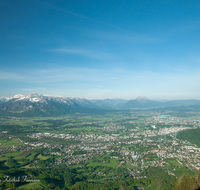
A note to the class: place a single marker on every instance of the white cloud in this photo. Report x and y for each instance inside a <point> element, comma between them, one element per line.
<point>69,51</point>
<point>125,36</point>
<point>6,75</point>
<point>81,52</point>
<point>33,89</point>
<point>86,82</point>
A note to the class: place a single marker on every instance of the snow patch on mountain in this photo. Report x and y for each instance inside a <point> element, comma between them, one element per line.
<point>142,99</point>
<point>36,98</point>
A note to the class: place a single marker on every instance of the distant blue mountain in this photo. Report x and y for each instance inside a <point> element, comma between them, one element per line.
<point>143,102</point>
<point>110,103</point>
<point>34,105</point>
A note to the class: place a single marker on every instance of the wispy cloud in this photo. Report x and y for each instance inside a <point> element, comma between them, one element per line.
<point>70,51</point>
<point>81,16</point>
<point>81,52</point>
<point>7,75</point>
<point>33,89</point>
<point>115,75</point>
<point>108,82</point>
<point>125,36</point>
<point>63,10</point>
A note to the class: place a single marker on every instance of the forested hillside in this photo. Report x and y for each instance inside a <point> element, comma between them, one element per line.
<point>186,182</point>
<point>192,135</point>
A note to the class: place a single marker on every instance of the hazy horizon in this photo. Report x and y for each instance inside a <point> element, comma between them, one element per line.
<point>101,49</point>
<point>96,99</point>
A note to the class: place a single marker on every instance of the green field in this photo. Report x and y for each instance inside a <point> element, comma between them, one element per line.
<point>42,157</point>
<point>34,185</point>
<point>12,154</point>
<point>173,162</point>
<point>104,167</point>
<point>9,143</point>
<point>113,163</point>
<point>31,156</point>
<point>150,187</point>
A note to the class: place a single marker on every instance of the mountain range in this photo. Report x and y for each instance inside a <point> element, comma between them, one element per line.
<point>143,102</point>
<point>45,105</point>
<point>109,103</point>
<point>42,105</point>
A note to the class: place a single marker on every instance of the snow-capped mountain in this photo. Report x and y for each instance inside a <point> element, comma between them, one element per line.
<point>33,105</point>
<point>46,98</point>
<point>28,97</point>
<point>44,104</point>
<point>142,99</point>
<point>4,99</point>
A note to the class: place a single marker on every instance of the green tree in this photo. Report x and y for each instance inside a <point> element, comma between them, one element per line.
<point>193,183</point>
<point>184,182</point>
<point>175,184</point>
<point>198,178</point>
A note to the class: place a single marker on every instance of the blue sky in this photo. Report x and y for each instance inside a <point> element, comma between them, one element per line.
<point>100,49</point>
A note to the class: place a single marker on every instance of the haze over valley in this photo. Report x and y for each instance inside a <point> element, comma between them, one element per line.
<point>100,95</point>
